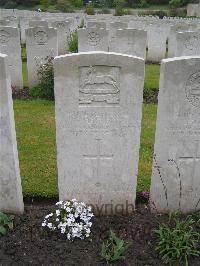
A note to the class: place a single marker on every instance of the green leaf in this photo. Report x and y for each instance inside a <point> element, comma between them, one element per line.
<point>3,231</point>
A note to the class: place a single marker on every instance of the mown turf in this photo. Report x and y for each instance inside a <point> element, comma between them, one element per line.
<point>152,74</point>
<point>35,127</point>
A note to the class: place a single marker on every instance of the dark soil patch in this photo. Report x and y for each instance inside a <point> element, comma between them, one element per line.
<point>30,244</point>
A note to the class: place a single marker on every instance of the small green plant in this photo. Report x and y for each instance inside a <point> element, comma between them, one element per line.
<point>177,240</point>
<point>73,42</point>
<point>143,4</point>
<point>64,6</point>
<point>89,9</point>
<point>45,88</point>
<point>114,248</point>
<point>6,223</point>
<point>104,10</point>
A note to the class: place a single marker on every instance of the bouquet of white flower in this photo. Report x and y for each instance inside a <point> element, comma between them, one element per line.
<point>71,218</point>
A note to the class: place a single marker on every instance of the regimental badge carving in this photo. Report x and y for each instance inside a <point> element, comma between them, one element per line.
<point>4,36</point>
<point>192,43</point>
<point>41,37</point>
<point>93,39</point>
<point>99,86</point>
<point>193,89</point>
<point>60,25</point>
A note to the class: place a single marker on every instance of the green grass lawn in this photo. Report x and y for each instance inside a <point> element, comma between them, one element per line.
<point>35,127</point>
<point>152,74</point>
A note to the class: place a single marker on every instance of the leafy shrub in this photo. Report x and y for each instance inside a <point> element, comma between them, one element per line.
<point>73,42</point>
<point>175,3</point>
<point>6,223</point>
<point>104,10</point>
<point>150,95</point>
<point>143,4</point>
<point>27,2</point>
<point>114,248</point>
<point>77,3</point>
<point>45,88</point>
<point>177,241</point>
<point>10,4</point>
<point>71,218</point>
<point>64,6</point>
<point>118,11</point>
<point>158,13</point>
<point>89,9</point>
<point>2,2</point>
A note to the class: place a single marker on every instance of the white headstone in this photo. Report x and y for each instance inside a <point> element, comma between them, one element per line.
<point>175,178</point>
<point>96,24</point>
<point>188,43</point>
<point>172,38</point>
<point>98,99</point>
<point>157,38</point>
<point>129,41</point>
<point>38,23</point>
<point>10,45</point>
<point>92,39</point>
<point>11,199</point>
<point>63,31</point>
<point>41,42</point>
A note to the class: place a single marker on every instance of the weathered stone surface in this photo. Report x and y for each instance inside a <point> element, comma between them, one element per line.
<point>129,41</point>
<point>188,43</point>
<point>92,39</point>
<point>10,45</point>
<point>63,32</point>
<point>175,178</point>
<point>157,37</point>
<point>172,42</point>
<point>96,24</point>
<point>98,98</point>
<point>11,199</point>
<point>41,42</point>
<point>38,23</point>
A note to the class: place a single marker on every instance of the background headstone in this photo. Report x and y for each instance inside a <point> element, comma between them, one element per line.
<point>188,43</point>
<point>10,45</point>
<point>157,37</point>
<point>92,39</point>
<point>41,42</point>
<point>63,32</point>
<point>96,24</point>
<point>129,41</point>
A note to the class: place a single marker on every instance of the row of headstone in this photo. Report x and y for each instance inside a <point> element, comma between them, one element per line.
<point>42,42</point>
<point>125,41</point>
<point>98,104</point>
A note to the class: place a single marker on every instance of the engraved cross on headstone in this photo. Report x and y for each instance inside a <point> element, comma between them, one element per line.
<point>98,157</point>
<point>194,160</point>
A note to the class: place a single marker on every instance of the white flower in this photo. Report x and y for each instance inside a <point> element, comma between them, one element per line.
<point>88,231</point>
<point>50,225</point>
<point>79,209</point>
<point>57,212</point>
<point>68,209</point>
<point>59,203</point>
<point>63,230</point>
<point>74,222</point>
